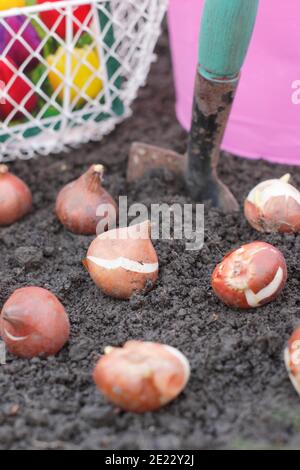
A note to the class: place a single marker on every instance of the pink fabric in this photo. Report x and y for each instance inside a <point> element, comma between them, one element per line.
<point>265,120</point>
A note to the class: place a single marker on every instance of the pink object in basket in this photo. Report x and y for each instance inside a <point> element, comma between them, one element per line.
<point>265,120</point>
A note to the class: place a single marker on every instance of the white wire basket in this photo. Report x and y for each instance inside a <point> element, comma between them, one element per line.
<point>70,70</point>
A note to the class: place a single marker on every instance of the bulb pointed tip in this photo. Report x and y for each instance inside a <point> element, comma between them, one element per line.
<point>98,168</point>
<point>286,178</point>
<point>3,169</point>
<point>108,350</point>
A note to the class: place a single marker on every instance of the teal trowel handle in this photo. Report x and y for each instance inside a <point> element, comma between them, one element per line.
<point>225,34</point>
<point>226,30</point>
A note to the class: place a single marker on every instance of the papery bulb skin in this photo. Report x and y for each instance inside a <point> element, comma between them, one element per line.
<point>292,359</point>
<point>274,206</point>
<point>141,376</point>
<point>250,276</point>
<point>15,197</point>
<point>79,202</point>
<point>34,323</point>
<point>123,261</point>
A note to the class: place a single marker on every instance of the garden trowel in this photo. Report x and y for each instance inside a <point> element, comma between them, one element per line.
<point>225,34</point>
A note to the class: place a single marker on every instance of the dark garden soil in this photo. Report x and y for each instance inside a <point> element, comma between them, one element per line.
<point>239,395</point>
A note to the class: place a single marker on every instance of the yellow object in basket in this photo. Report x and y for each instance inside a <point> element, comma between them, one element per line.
<point>84,77</point>
<point>6,4</point>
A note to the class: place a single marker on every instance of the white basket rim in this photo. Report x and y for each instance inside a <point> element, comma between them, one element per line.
<point>47,6</point>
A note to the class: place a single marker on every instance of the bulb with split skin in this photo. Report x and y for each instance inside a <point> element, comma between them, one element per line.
<point>274,206</point>
<point>79,204</point>
<point>15,197</point>
<point>123,261</point>
<point>250,276</point>
<point>292,358</point>
<point>34,323</point>
<point>141,376</point>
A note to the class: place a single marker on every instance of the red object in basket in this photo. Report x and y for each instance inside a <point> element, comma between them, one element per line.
<point>51,18</point>
<point>19,90</point>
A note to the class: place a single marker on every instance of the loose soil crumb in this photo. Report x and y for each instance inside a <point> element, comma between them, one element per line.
<point>239,395</point>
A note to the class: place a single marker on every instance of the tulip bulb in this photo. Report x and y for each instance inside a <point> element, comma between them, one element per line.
<point>142,376</point>
<point>292,359</point>
<point>15,197</point>
<point>34,323</point>
<point>274,206</point>
<point>79,202</point>
<point>250,276</point>
<point>123,261</point>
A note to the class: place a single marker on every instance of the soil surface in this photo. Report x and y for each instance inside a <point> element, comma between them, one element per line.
<point>239,395</point>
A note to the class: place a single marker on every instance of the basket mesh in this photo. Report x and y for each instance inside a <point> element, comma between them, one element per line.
<point>70,70</point>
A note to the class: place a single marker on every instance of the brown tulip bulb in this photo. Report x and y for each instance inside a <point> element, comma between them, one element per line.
<point>292,359</point>
<point>15,197</point>
<point>142,376</point>
<point>123,261</point>
<point>84,203</point>
<point>34,323</point>
<point>250,276</point>
<point>274,206</point>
